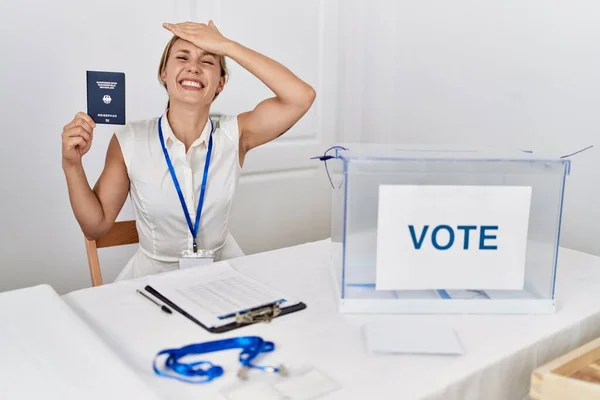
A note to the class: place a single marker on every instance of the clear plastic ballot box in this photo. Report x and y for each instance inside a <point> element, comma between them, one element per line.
<point>445,230</point>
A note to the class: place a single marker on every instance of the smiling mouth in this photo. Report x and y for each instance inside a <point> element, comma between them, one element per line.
<point>188,84</point>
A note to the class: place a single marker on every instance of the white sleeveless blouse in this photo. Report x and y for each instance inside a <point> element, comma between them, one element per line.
<point>161,223</point>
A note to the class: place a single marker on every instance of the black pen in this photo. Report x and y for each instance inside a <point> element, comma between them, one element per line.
<point>162,307</point>
<point>174,306</point>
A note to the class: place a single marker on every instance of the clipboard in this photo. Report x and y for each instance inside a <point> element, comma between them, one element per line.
<point>265,313</point>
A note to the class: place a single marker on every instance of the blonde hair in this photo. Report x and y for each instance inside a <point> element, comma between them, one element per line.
<point>165,57</point>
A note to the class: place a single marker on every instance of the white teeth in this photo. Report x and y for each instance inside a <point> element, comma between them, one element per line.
<point>191,83</point>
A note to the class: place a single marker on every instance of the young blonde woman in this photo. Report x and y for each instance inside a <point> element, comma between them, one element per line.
<point>182,168</point>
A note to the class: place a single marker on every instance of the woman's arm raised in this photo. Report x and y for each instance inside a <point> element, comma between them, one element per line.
<point>95,210</point>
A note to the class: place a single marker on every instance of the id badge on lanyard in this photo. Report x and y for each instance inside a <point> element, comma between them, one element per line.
<point>194,257</point>
<point>189,259</point>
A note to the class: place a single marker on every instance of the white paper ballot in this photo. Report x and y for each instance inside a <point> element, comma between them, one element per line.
<point>407,338</point>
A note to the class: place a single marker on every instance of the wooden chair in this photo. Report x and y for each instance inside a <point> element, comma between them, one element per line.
<point>121,233</point>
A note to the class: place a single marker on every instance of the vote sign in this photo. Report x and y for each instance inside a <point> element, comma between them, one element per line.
<point>452,237</point>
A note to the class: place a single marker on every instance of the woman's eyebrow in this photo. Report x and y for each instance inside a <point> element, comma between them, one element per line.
<point>202,53</point>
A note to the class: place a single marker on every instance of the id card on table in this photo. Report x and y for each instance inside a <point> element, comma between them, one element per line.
<point>302,383</point>
<point>190,259</point>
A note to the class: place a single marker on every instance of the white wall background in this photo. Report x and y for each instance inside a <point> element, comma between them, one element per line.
<point>515,73</point>
<point>518,73</point>
<point>46,49</point>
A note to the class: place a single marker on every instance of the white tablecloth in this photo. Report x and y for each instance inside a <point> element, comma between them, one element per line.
<point>501,350</point>
<point>47,352</point>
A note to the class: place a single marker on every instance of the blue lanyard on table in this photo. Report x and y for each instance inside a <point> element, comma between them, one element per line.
<point>205,371</point>
<point>194,228</point>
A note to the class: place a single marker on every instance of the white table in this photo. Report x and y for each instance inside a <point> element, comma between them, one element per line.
<point>501,350</point>
<point>48,352</point>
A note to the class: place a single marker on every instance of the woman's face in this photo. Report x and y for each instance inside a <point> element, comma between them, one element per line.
<point>192,75</point>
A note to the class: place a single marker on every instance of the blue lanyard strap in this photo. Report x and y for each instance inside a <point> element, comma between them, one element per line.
<point>196,226</point>
<point>205,371</point>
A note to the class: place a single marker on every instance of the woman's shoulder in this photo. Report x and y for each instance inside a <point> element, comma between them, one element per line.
<point>228,125</point>
<point>138,129</point>
<point>132,136</point>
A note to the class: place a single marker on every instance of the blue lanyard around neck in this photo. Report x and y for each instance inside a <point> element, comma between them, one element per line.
<point>193,228</point>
